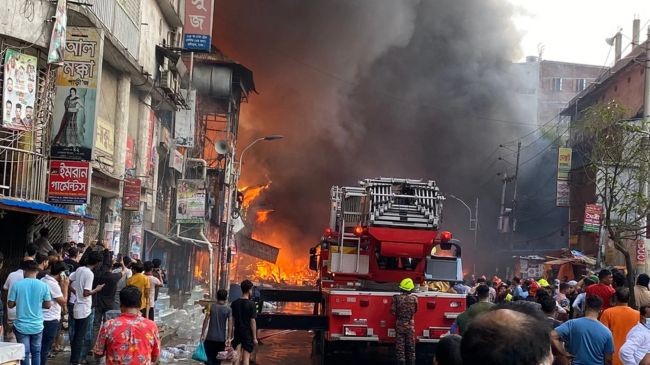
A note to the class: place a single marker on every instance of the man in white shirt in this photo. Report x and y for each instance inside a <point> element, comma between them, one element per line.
<point>637,342</point>
<point>82,284</point>
<point>52,316</point>
<point>13,278</point>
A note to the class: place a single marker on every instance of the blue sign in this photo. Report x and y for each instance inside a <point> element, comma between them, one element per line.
<point>197,42</point>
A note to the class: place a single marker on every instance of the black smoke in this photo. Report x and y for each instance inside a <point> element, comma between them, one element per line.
<point>370,88</point>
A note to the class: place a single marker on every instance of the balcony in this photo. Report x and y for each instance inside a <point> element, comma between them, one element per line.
<point>121,18</point>
<point>23,173</point>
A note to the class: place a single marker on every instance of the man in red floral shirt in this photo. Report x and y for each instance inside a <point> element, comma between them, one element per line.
<point>129,339</point>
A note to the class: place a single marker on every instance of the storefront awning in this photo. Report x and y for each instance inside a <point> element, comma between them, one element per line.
<point>162,237</point>
<point>39,207</point>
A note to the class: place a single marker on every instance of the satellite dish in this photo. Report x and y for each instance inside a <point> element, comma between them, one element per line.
<point>610,40</point>
<point>222,147</point>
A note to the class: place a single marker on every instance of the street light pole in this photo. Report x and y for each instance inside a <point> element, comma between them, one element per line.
<point>225,271</point>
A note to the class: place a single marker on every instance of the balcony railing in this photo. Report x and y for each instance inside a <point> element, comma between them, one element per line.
<point>23,173</point>
<point>121,18</point>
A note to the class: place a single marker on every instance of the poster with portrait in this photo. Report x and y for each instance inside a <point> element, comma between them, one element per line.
<point>19,91</point>
<point>190,201</point>
<point>75,109</point>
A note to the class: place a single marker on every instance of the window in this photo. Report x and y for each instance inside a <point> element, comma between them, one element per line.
<point>557,84</point>
<point>581,84</point>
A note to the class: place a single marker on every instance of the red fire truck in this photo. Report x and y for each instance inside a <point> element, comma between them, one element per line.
<point>380,232</point>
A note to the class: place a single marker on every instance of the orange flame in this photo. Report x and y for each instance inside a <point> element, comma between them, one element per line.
<point>251,193</point>
<point>263,215</point>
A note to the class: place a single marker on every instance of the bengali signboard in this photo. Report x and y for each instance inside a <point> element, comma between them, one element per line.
<point>593,212</point>
<point>258,249</point>
<point>185,120</point>
<point>69,182</point>
<point>19,93</point>
<point>190,206</point>
<point>104,138</point>
<point>640,252</point>
<point>75,111</point>
<point>197,28</point>
<point>563,163</point>
<point>131,194</point>
<point>562,193</point>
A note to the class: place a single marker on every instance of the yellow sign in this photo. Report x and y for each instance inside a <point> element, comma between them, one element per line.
<point>83,52</point>
<point>563,163</point>
<point>104,136</point>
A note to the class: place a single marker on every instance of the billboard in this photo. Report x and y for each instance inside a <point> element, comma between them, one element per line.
<point>563,163</point>
<point>197,28</point>
<point>75,109</point>
<point>258,249</point>
<point>19,93</point>
<point>69,182</point>
<point>131,194</point>
<point>185,121</point>
<point>562,194</point>
<point>190,205</point>
<point>593,213</point>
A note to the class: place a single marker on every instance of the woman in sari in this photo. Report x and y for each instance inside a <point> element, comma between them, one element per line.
<point>68,131</point>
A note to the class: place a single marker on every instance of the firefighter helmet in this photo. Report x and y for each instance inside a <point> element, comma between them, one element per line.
<point>407,284</point>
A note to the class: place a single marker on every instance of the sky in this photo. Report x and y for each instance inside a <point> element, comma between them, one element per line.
<point>575,30</point>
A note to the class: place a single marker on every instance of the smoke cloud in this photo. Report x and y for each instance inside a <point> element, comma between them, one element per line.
<point>368,88</point>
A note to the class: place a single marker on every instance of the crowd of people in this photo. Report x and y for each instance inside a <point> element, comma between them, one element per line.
<point>596,320</point>
<point>104,302</point>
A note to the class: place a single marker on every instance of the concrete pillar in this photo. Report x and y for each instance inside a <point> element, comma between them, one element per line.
<point>121,123</point>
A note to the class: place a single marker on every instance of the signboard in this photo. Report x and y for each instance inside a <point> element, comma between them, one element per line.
<point>69,182</point>
<point>258,249</point>
<point>197,28</point>
<point>562,193</point>
<point>57,40</point>
<point>593,212</point>
<point>104,138</point>
<point>176,160</point>
<point>75,111</point>
<point>129,162</point>
<point>131,194</point>
<point>640,252</point>
<point>185,121</point>
<point>563,163</point>
<point>19,93</point>
<point>190,206</point>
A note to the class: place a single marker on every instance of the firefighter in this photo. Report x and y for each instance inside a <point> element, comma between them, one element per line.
<point>404,307</point>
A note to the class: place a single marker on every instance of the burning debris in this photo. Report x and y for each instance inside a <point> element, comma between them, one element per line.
<point>263,215</point>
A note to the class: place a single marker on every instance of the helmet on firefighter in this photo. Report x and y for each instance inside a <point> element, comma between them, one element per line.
<point>407,284</point>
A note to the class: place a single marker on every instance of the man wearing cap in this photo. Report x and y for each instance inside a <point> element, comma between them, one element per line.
<point>404,307</point>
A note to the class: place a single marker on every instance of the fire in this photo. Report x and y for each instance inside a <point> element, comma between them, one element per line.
<point>251,193</point>
<point>263,215</point>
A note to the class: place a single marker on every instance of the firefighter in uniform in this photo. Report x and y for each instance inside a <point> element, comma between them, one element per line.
<point>404,307</point>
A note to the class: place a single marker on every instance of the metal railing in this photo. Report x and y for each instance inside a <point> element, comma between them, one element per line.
<point>120,20</point>
<point>23,173</point>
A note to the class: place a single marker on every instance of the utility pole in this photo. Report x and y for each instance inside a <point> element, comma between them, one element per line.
<point>502,210</point>
<point>646,114</point>
<point>514,196</point>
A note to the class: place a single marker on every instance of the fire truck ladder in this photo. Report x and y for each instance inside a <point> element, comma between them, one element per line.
<point>403,203</point>
<point>352,202</point>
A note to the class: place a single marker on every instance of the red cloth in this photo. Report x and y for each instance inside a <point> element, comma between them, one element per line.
<point>605,292</point>
<point>128,339</point>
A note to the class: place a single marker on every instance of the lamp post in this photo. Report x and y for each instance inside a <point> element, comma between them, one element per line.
<point>225,270</point>
<point>271,137</point>
<point>473,222</point>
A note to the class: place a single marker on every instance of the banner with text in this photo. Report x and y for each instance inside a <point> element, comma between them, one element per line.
<point>75,111</point>
<point>593,213</point>
<point>563,163</point>
<point>69,182</point>
<point>191,201</point>
<point>197,28</point>
<point>131,194</point>
<point>185,120</point>
<point>562,194</point>
<point>19,93</point>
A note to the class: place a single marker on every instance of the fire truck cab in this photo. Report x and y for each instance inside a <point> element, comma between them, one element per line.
<point>380,232</point>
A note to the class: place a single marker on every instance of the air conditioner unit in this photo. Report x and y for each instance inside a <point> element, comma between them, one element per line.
<point>167,80</point>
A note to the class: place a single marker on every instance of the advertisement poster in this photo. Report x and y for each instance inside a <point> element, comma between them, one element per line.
<point>129,163</point>
<point>135,234</point>
<point>197,27</point>
<point>131,194</point>
<point>69,182</point>
<point>640,252</point>
<point>19,94</point>
<point>563,163</point>
<point>191,201</point>
<point>185,121</point>
<point>176,160</point>
<point>562,193</point>
<point>593,212</point>
<point>75,109</point>
<point>57,39</point>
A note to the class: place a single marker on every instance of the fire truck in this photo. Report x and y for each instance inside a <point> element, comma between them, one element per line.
<point>380,232</point>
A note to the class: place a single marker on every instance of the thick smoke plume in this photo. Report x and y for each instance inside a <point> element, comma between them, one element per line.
<point>372,88</point>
